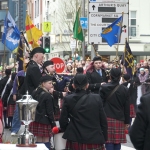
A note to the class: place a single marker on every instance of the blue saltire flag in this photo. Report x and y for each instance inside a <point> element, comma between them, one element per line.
<point>128,60</point>
<point>112,33</point>
<point>11,34</point>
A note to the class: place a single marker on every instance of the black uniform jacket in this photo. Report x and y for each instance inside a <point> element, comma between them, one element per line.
<point>6,95</point>
<point>88,122</point>
<point>118,105</point>
<point>133,90</point>
<point>95,80</point>
<point>3,82</point>
<point>44,110</point>
<point>56,94</point>
<point>140,130</point>
<point>33,76</point>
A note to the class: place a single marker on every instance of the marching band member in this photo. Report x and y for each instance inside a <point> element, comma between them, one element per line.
<point>132,85</point>
<point>44,117</point>
<point>8,101</point>
<point>79,71</point>
<point>83,119</point>
<point>58,83</point>
<point>33,73</point>
<point>18,91</point>
<point>96,74</point>
<point>117,108</point>
<point>3,83</point>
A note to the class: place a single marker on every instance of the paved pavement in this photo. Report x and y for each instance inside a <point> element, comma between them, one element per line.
<point>13,139</point>
<point>126,148</point>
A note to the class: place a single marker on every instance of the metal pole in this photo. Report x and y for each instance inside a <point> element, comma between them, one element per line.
<point>4,56</point>
<point>83,43</point>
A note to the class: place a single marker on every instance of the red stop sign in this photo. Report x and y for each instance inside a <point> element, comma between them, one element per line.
<point>59,64</point>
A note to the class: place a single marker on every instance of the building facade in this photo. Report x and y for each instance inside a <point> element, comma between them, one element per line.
<point>3,10</point>
<point>62,13</point>
<point>17,9</point>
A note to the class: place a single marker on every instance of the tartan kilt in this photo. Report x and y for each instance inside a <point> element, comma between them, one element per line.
<point>39,129</point>
<point>116,131</point>
<point>57,115</point>
<point>10,110</point>
<point>132,111</point>
<point>70,145</point>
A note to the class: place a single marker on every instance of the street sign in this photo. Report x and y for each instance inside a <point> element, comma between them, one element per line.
<point>102,13</point>
<point>97,22</point>
<point>109,7</point>
<point>109,1</point>
<point>47,26</point>
<point>59,64</point>
<point>84,22</point>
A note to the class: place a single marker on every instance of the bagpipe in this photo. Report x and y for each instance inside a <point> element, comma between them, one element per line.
<point>63,80</point>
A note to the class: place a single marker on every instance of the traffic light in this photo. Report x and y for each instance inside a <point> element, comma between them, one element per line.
<point>46,43</point>
<point>41,42</point>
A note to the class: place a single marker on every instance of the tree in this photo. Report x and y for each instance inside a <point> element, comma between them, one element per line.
<point>66,16</point>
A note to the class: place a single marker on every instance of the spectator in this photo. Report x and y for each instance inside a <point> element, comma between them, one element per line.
<point>142,77</point>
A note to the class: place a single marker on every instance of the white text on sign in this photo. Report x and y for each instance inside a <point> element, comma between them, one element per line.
<point>59,65</point>
<point>113,5</point>
<point>105,15</point>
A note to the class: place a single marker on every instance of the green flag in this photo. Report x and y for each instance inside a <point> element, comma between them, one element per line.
<point>77,29</point>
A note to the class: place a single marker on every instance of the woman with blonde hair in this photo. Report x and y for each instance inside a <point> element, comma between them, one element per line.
<point>44,117</point>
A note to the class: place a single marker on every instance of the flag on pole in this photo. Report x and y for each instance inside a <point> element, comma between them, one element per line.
<point>20,56</point>
<point>33,33</point>
<point>128,59</point>
<point>77,29</point>
<point>112,33</point>
<point>11,34</point>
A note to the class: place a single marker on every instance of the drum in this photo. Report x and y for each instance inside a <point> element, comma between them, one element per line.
<point>59,142</point>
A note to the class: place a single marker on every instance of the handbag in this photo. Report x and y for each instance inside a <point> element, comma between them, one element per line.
<point>114,90</point>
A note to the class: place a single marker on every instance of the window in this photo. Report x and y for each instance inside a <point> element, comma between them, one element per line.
<point>35,9</point>
<point>3,5</point>
<point>132,23</point>
<point>69,15</point>
<point>1,31</point>
<point>37,25</point>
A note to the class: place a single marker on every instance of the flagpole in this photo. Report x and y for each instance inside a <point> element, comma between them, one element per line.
<point>96,53</point>
<point>4,57</point>
<point>124,55</point>
<point>75,57</point>
<point>29,26</point>
<point>26,43</point>
<point>76,43</point>
<point>119,37</point>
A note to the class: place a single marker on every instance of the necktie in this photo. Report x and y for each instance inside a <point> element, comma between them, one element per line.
<point>100,73</point>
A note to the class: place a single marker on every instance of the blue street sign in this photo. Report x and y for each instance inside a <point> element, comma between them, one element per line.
<point>92,0</point>
<point>84,22</point>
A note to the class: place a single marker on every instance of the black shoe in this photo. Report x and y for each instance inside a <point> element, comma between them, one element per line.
<point>7,127</point>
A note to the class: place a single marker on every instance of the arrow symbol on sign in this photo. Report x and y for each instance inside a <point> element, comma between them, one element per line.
<point>93,7</point>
